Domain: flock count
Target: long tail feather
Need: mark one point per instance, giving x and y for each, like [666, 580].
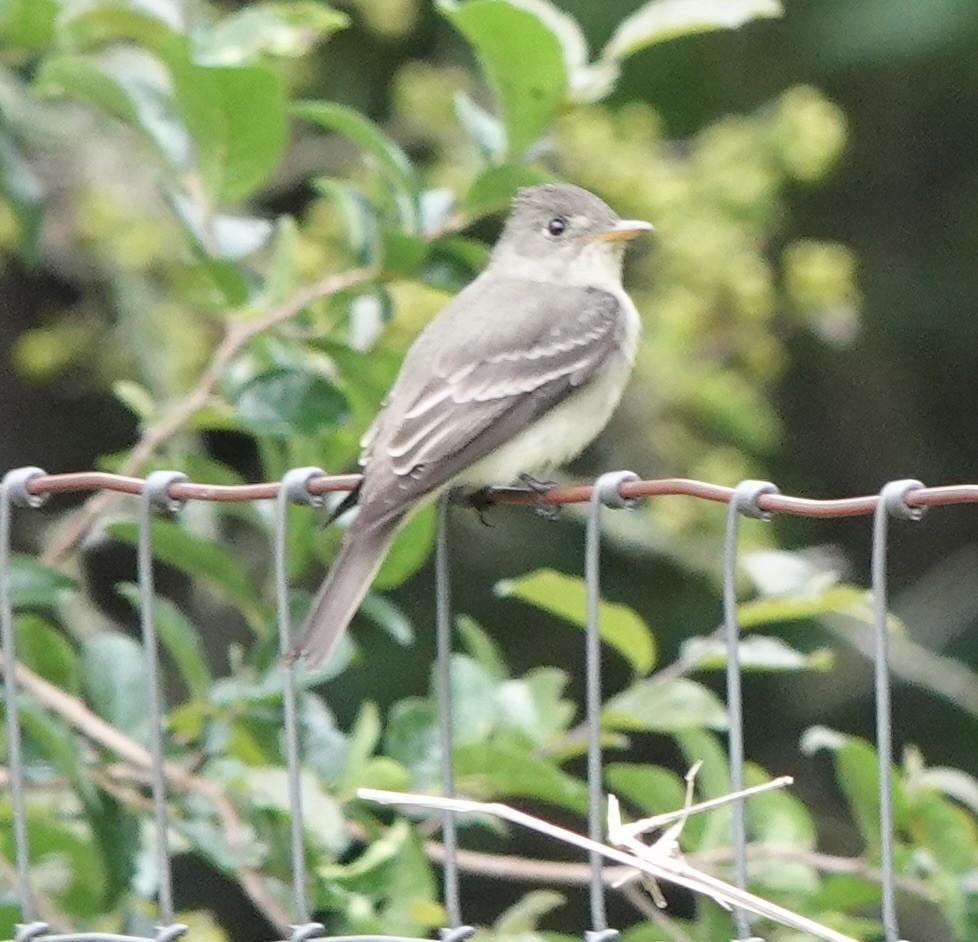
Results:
[343, 590]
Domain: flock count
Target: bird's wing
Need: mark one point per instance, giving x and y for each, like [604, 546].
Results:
[479, 395]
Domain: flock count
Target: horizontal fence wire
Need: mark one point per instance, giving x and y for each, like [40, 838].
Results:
[167, 491]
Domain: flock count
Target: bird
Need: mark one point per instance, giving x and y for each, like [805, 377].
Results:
[517, 374]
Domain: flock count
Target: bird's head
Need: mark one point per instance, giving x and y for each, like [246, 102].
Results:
[563, 234]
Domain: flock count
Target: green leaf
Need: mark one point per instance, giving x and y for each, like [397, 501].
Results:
[757, 653]
[358, 217]
[127, 83]
[484, 129]
[283, 402]
[410, 551]
[27, 24]
[523, 61]
[856, 771]
[411, 738]
[481, 647]
[114, 678]
[274, 29]
[46, 651]
[566, 597]
[535, 705]
[493, 190]
[60, 747]
[664, 706]
[473, 699]
[34, 585]
[180, 640]
[662, 20]
[220, 236]
[385, 614]
[322, 818]
[524, 915]
[237, 117]
[148, 23]
[204, 561]
[840, 599]
[393, 162]
[651, 788]
[73, 874]
[23, 191]
[508, 768]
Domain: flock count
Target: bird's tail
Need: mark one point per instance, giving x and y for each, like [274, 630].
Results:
[343, 590]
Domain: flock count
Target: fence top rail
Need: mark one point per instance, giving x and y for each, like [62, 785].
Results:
[44, 484]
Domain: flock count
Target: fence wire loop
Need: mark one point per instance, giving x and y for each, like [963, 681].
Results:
[747, 496]
[308, 930]
[27, 931]
[156, 496]
[608, 488]
[892, 503]
[456, 934]
[156, 491]
[745, 501]
[894, 499]
[17, 482]
[296, 485]
[605, 492]
[170, 933]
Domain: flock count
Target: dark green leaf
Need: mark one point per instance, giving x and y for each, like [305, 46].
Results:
[566, 597]
[203, 560]
[665, 706]
[114, 679]
[180, 640]
[481, 647]
[410, 551]
[394, 163]
[522, 919]
[523, 61]
[275, 29]
[284, 402]
[651, 788]
[34, 585]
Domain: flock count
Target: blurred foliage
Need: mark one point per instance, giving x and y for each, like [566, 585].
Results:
[152, 151]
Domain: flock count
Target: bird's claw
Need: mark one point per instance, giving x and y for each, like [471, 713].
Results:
[540, 490]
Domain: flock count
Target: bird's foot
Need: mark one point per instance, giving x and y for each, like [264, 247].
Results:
[540, 490]
[481, 502]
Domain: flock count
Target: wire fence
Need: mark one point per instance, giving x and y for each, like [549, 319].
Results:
[167, 491]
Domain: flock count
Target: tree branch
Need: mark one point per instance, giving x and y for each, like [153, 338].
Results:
[239, 330]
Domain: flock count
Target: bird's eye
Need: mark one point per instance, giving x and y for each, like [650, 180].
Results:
[557, 226]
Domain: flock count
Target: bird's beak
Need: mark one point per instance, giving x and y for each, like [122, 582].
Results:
[624, 229]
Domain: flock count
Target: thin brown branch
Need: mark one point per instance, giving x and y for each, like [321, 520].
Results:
[239, 331]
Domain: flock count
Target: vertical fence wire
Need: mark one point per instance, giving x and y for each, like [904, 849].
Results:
[155, 496]
[892, 502]
[294, 489]
[446, 738]
[744, 502]
[605, 492]
[15, 761]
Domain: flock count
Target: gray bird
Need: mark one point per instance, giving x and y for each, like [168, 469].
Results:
[517, 374]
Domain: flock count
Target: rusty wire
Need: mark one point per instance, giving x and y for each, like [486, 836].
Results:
[82, 481]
